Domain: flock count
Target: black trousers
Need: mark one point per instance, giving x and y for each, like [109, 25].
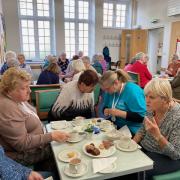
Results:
[162, 165]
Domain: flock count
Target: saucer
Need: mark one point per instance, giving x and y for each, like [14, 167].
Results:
[77, 124]
[78, 139]
[62, 156]
[133, 146]
[109, 169]
[83, 171]
[57, 125]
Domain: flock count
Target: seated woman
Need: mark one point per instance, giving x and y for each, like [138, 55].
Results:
[63, 62]
[175, 84]
[124, 101]
[21, 131]
[160, 134]
[77, 68]
[9, 55]
[173, 66]
[10, 169]
[22, 64]
[51, 74]
[76, 98]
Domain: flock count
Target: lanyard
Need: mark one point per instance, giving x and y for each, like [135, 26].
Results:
[114, 103]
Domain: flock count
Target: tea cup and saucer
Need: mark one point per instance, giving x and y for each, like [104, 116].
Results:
[76, 168]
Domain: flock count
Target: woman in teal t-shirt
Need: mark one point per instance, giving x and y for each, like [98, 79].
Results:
[124, 101]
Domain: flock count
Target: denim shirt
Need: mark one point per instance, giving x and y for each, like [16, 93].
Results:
[10, 169]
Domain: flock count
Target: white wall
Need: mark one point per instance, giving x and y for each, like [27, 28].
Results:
[105, 35]
[12, 25]
[156, 9]
[0, 6]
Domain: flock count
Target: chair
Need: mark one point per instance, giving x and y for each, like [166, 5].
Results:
[169, 176]
[134, 77]
[96, 94]
[44, 100]
[41, 87]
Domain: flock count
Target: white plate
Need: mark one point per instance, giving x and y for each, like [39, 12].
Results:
[133, 146]
[81, 137]
[103, 152]
[109, 169]
[83, 171]
[59, 125]
[62, 156]
[77, 124]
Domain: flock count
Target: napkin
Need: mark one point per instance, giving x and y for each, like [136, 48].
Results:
[125, 131]
[49, 178]
[102, 163]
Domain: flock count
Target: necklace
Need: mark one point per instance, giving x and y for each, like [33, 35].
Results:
[114, 103]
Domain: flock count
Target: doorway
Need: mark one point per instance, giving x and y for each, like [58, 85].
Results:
[155, 45]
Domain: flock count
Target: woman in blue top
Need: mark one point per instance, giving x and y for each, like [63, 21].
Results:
[50, 75]
[124, 101]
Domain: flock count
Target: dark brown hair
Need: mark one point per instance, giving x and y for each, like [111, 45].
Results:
[89, 78]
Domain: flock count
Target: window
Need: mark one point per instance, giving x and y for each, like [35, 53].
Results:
[36, 27]
[115, 14]
[76, 15]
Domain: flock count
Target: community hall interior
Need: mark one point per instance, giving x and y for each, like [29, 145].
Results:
[89, 83]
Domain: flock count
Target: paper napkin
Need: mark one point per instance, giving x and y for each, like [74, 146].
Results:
[102, 163]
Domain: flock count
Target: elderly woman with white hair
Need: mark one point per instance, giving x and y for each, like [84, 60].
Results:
[160, 134]
[9, 55]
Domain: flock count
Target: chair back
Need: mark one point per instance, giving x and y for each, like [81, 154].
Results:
[134, 77]
[44, 101]
[96, 94]
[41, 87]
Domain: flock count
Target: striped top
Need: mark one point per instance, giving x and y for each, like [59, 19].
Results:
[170, 128]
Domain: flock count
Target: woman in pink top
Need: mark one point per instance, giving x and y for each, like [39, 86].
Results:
[21, 132]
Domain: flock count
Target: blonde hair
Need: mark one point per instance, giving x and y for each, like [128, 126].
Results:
[53, 67]
[159, 87]
[110, 76]
[78, 65]
[11, 79]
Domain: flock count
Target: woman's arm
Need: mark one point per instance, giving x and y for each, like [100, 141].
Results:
[169, 147]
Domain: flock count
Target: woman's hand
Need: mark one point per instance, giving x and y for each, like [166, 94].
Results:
[106, 111]
[60, 136]
[35, 176]
[110, 112]
[152, 128]
[115, 112]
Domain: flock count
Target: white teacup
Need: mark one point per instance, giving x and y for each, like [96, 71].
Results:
[125, 142]
[74, 136]
[75, 166]
[79, 120]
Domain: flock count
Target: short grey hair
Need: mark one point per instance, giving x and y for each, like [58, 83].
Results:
[10, 54]
[159, 87]
[86, 59]
[12, 62]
